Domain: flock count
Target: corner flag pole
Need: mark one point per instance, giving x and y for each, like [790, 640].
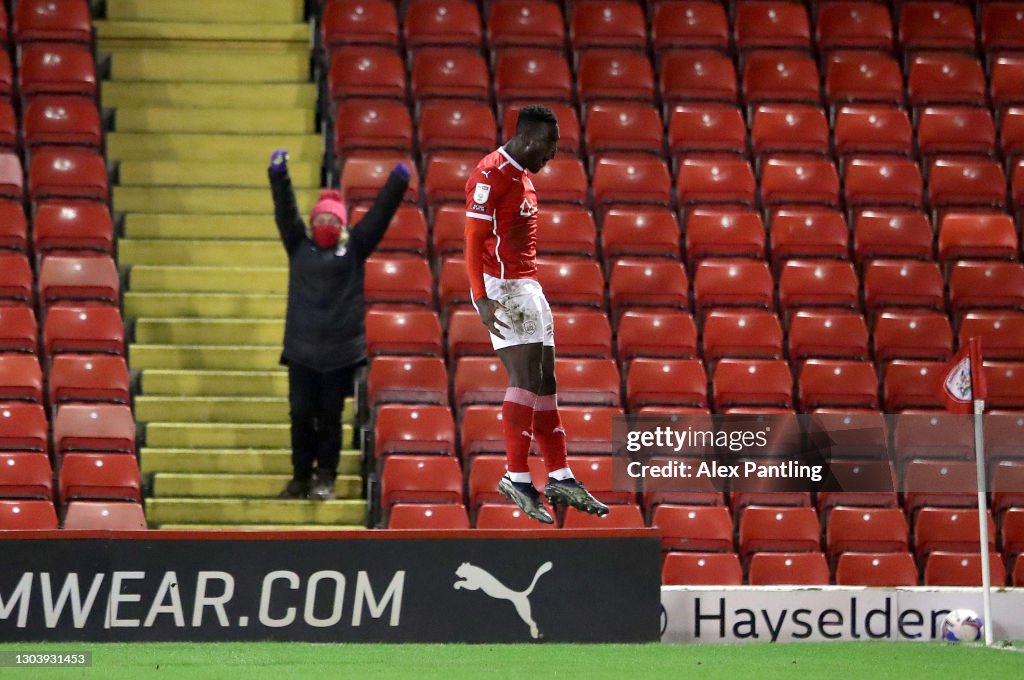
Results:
[986, 575]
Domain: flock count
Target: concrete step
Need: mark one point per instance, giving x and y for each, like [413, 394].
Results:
[222, 11]
[203, 200]
[209, 331]
[192, 34]
[178, 146]
[225, 435]
[230, 357]
[211, 409]
[162, 65]
[161, 511]
[182, 278]
[237, 461]
[192, 96]
[179, 174]
[178, 485]
[204, 305]
[161, 382]
[197, 227]
[223, 121]
[267, 253]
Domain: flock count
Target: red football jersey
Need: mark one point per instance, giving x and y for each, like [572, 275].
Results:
[500, 192]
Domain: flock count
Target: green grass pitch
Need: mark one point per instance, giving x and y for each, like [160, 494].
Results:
[284, 661]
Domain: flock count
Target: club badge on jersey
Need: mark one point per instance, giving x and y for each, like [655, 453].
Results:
[482, 193]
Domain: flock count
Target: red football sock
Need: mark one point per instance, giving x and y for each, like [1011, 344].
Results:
[547, 428]
[517, 419]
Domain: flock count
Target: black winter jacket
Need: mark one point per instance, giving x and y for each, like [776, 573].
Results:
[324, 326]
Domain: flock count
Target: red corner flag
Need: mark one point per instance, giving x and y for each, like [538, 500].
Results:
[964, 380]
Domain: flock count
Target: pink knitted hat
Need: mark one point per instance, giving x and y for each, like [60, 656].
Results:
[330, 201]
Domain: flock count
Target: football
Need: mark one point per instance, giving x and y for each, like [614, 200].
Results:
[961, 625]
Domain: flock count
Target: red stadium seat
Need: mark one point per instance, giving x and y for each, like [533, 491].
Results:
[462, 125]
[798, 569]
[1011, 134]
[587, 381]
[448, 232]
[96, 377]
[21, 379]
[99, 476]
[1005, 384]
[360, 22]
[912, 335]
[715, 180]
[863, 77]
[1001, 333]
[620, 181]
[407, 232]
[420, 479]
[67, 174]
[74, 279]
[62, 121]
[480, 431]
[939, 483]
[398, 278]
[882, 181]
[974, 235]
[466, 335]
[741, 334]
[902, 283]
[921, 434]
[105, 516]
[893, 233]
[15, 279]
[873, 128]
[808, 231]
[878, 570]
[766, 25]
[409, 380]
[639, 230]
[955, 129]
[827, 334]
[799, 180]
[689, 25]
[778, 529]
[11, 177]
[94, 427]
[611, 24]
[13, 226]
[605, 476]
[870, 483]
[1007, 83]
[1013, 532]
[866, 530]
[589, 429]
[479, 380]
[825, 383]
[433, 516]
[449, 23]
[526, 75]
[19, 331]
[853, 25]
[605, 75]
[83, 329]
[623, 127]
[524, 23]
[789, 128]
[912, 385]
[40, 20]
[618, 517]
[1002, 27]
[818, 283]
[505, 517]
[452, 281]
[732, 283]
[568, 123]
[404, 332]
[949, 529]
[448, 73]
[647, 282]
[34, 515]
[706, 528]
[779, 76]
[366, 72]
[56, 68]
[701, 569]
[583, 333]
[25, 475]
[24, 428]
[851, 435]
[446, 176]
[372, 124]
[675, 382]
[725, 231]
[936, 26]
[78, 225]
[655, 333]
[698, 75]
[752, 382]
[562, 180]
[945, 78]
[571, 282]
[985, 284]
[954, 182]
[695, 491]
[962, 569]
[6, 72]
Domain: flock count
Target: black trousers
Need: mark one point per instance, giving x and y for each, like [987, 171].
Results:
[316, 400]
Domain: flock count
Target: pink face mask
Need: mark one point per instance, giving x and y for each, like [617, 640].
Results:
[326, 235]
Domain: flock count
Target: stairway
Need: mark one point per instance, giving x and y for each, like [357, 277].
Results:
[202, 92]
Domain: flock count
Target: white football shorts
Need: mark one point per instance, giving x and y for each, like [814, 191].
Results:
[529, 315]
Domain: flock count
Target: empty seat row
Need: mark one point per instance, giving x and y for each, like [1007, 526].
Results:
[40, 515]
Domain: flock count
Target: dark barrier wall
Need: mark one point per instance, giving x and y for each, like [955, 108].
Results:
[477, 586]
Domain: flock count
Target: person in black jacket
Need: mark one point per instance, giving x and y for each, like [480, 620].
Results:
[324, 335]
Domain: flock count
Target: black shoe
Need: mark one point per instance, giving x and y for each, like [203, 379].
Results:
[526, 497]
[322, 488]
[571, 492]
[295, 489]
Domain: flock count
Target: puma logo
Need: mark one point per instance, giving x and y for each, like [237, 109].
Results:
[485, 173]
[475, 578]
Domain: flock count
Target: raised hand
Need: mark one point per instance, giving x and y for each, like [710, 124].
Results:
[279, 162]
[402, 171]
